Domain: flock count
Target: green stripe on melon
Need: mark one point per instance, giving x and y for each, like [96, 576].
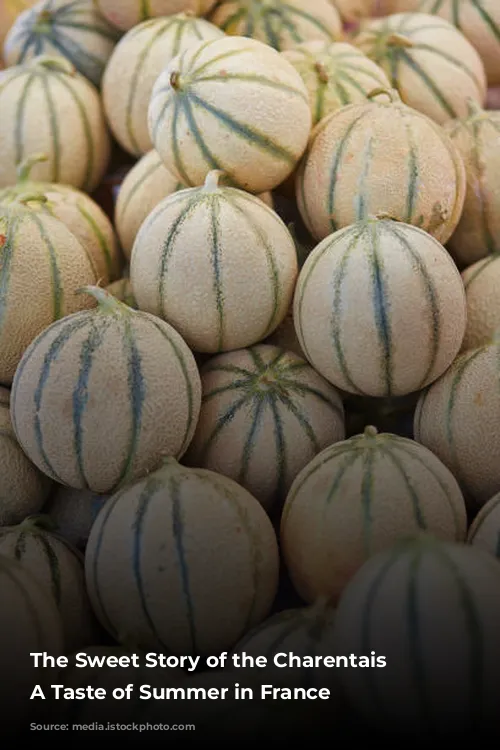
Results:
[484, 532]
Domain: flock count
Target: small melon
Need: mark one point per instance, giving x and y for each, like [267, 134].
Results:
[482, 290]
[73, 513]
[125, 14]
[484, 532]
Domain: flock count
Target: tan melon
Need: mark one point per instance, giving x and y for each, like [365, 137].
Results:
[239, 106]
[236, 283]
[125, 389]
[354, 10]
[9, 11]
[122, 290]
[410, 309]
[429, 61]
[482, 289]
[47, 107]
[484, 532]
[477, 138]
[125, 14]
[381, 157]
[73, 513]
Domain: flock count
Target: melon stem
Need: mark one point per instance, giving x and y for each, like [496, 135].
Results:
[392, 94]
[25, 167]
[175, 80]
[40, 521]
[473, 108]
[107, 303]
[322, 72]
[32, 198]
[58, 64]
[212, 180]
[398, 40]
[371, 431]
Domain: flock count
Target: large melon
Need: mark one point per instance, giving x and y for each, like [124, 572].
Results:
[347, 175]
[429, 61]
[125, 14]
[75, 30]
[356, 498]
[430, 610]
[236, 283]
[458, 419]
[482, 290]
[102, 396]
[409, 303]
[233, 104]
[134, 67]
[185, 561]
[484, 532]
[47, 107]
[265, 414]
[9, 11]
[73, 513]
[42, 266]
[477, 138]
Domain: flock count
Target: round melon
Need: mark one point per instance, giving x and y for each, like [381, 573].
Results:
[409, 302]
[47, 107]
[75, 30]
[380, 157]
[279, 23]
[42, 266]
[125, 14]
[23, 488]
[335, 74]
[9, 11]
[265, 414]
[429, 61]
[356, 498]
[59, 570]
[73, 513]
[477, 138]
[233, 104]
[482, 290]
[102, 396]
[431, 609]
[122, 290]
[236, 283]
[458, 419]
[484, 532]
[185, 561]
[137, 61]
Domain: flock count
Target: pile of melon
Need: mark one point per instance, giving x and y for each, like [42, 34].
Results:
[250, 355]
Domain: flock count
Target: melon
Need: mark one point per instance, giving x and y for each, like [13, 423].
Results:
[352, 11]
[477, 138]
[279, 23]
[137, 61]
[482, 290]
[125, 14]
[9, 11]
[265, 414]
[346, 174]
[23, 488]
[285, 336]
[47, 107]
[236, 283]
[122, 290]
[430, 609]
[84, 218]
[42, 265]
[184, 561]
[335, 74]
[458, 419]
[73, 513]
[232, 104]
[75, 30]
[409, 302]
[429, 61]
[484, 532]
[101, 397]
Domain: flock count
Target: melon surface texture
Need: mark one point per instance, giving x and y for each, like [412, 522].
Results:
[484, 532]
[73, 513]
[125, 14]
[482, 285]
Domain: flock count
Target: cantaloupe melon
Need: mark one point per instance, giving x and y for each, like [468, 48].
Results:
[47, 107]
[75, 30]
[458, 419]
[484, 532]
[137, 61]
[102, 396]
[235, 284]
[233, 104]
[380, 157]
[122, 290]
[431, 610]
[482, 290]
[185, 561]
[9, 11]
[125, 14]
[335, 74]
[73, 513]
[42, 265]
[285, 336]
[429, 61]
[356, 498]
[409, 303]
[265, 414]
[477, 138]
[279, 23]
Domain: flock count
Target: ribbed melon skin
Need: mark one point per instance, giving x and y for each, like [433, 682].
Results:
[235, 285]
[409, 302]
[484, 532]
[137, 61]
[279, 23]
[48, 109]
[184, 561]
[437, 73]
[356, 498]
[265, 414]
[482, 282]
[125, 14]
[226, 111]
[125, 389]
[431, 609]
[380, 158]
[75, 30]
[73, 513]
[458, 418]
